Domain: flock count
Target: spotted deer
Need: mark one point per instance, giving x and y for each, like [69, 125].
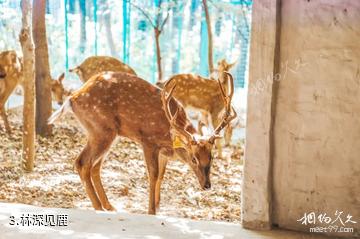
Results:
[11, 75]
[194, 91]
[97, 64]
[114, 104]
[89, 67]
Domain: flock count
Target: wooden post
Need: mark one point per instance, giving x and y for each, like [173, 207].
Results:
[27, 46]
[264, 62]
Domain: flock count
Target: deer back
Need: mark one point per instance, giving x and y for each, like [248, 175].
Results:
[126, 104]
[196, 91]
[97, 64]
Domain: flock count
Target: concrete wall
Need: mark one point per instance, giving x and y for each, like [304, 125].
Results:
[314, 157]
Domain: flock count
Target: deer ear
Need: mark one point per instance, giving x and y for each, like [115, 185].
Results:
[61, 77]
[231, 65]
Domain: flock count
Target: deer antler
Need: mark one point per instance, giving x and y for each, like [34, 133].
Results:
[172, 118]
[230, 113]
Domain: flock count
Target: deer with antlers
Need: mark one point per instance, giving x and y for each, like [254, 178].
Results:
[115, 104]
[11, 75]
[194, 91]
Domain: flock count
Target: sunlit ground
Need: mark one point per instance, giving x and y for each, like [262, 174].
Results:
[54, 182]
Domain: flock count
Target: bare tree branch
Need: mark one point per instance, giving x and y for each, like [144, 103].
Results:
[164, 22]
[144, 13]
[238, 28]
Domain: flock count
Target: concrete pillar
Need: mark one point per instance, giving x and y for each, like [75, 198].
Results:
[264, 54]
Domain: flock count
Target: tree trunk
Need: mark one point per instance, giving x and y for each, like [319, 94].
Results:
[109, 36]
[208, 24]
[82, 4]
[158, 54]
[27, 46]
[42, 69]
[157, 31]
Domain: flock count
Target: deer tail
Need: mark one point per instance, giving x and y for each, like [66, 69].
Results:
[60, 112]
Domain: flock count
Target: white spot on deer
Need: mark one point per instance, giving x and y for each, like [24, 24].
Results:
[129, 85]
[107, 76]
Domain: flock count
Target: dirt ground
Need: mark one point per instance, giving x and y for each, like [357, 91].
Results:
[55, 183]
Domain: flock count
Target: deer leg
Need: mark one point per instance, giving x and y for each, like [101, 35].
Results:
[162, 168]
[5, 119]
[215, 122]
[83, 166]
[96, 179]
[94, 149]
[151, 159]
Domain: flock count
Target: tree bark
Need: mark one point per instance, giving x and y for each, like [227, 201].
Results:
[27, 46]
[158, 53]
[42, 69]
[210, 45]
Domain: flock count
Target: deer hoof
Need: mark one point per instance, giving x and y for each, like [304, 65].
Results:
[110, 208]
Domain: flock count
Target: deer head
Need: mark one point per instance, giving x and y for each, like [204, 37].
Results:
[223, 67]
[57, 89]
[192, 148]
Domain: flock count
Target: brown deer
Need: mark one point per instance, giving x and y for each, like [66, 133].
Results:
[194, 91]
[97, 64]
[115, 104]
[12, 76]
[89, 67]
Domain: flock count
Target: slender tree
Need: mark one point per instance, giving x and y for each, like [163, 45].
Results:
[210, 45]
[29, 87]
[158, 26]
[42, 69]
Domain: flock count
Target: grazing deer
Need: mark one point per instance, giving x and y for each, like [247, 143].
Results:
[194, 91]
[115, 104]
[90, 66]
[11, 75]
